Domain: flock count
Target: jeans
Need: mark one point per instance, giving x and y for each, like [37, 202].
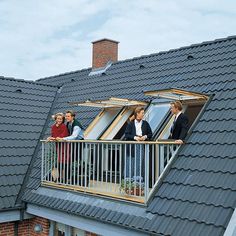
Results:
[134, 166]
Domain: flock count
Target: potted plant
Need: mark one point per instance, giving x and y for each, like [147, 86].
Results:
[132, 187]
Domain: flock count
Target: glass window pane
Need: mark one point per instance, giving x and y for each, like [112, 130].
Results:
[119, 122]
[104, 121]
[156, 113]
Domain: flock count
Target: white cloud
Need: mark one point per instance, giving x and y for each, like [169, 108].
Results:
[48, 37]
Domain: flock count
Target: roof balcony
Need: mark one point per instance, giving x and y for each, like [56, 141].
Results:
[124, 170]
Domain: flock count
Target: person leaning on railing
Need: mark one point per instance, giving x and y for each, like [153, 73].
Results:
[59, 130]
[136, 130]
[74, 127]
[180, 125]
[76, 132]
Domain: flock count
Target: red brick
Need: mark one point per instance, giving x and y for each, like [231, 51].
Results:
[103, 51]
[25, 228]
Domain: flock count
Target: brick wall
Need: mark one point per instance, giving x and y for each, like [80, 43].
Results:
[104, 50]
[25, 228]
[43, 222]
[7, 229]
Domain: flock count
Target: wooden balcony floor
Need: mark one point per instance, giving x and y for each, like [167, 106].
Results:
[98, 188]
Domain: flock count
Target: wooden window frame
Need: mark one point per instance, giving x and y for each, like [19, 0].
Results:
[177, 94]
[110, 103]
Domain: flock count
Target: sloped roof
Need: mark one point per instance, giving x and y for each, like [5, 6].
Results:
[24, 108]
[198, 195]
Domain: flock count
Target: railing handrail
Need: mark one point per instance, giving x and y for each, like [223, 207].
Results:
[164, 141]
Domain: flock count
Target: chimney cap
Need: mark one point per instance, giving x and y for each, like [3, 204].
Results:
[105, 39]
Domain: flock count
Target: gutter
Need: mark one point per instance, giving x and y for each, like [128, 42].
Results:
[63, 216]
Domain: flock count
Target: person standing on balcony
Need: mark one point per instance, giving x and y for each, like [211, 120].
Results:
[180, 125]
[136, 130]
[59, 130]
[76, 132]
[74, 127]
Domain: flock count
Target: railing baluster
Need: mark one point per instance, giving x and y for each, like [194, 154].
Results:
[46, 162]
[86, 165]
[115, 163]
[66, 163]
[140, 168]
[168, 154]
[89, 164]
[54, 160]
[153, 165]
[63, 162]
[72, 165]
[161, 157]
[79, 154]
[157, 161]
[82, 163]
[172, 149]
[125, 166]
[146, 179]
[106, 150]
[42, 164]
[120, 164]
[102, 162]
[50, 163]
[98, 162]
[130, 157]
[94, 156]
[111, 157]
[135, 167]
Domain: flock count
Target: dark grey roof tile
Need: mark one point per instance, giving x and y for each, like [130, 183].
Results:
[20, 132]
[214, 164]
[209, 150]
[216, 137]
[197, 182]
[201, 213]
[204, 195]
[202, 178]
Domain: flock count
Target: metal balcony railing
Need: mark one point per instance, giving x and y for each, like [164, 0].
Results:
[119, 169]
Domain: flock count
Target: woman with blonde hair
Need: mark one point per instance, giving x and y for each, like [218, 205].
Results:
[59, 130]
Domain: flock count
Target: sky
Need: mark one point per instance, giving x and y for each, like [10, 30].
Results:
[41, 38]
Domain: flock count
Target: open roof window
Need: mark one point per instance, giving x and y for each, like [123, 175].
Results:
[110, 103]
[193, 103]
[177, 94]
[115, 112]
[118, 126]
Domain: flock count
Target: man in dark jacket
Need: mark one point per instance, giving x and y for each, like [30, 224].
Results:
[136, 130]
[180, 125]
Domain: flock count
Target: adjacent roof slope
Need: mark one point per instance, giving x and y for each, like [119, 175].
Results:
[198, 195]
[24, 108]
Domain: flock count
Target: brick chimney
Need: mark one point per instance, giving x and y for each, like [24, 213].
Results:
[104, 50]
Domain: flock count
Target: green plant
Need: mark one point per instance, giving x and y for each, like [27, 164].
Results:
[132, 187]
